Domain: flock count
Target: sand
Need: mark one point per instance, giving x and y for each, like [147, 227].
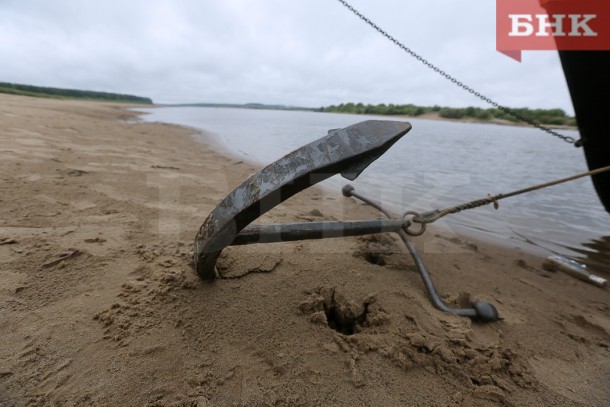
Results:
[100, 305]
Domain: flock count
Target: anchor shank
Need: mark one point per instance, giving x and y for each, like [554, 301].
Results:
[272, 233]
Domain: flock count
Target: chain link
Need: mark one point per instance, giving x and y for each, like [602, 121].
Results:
[470, 90]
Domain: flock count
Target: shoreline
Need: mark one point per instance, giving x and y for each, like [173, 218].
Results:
[127, 321]
[200, 136]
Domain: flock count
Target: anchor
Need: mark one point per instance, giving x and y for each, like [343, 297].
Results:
[348, 151]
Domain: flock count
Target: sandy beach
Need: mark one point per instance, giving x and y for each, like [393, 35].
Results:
[100, 305]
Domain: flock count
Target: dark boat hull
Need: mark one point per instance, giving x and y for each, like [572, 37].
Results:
[588, 77]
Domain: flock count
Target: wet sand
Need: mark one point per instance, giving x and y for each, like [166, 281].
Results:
[124, 320]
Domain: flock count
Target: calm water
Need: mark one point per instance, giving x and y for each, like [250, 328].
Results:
[440, 164]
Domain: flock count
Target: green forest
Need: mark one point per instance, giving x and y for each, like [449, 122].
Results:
[39, 91]
[555, 117]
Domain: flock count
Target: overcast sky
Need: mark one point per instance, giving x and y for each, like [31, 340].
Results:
[296, 52]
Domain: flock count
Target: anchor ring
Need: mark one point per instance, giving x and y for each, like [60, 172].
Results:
[409, 218]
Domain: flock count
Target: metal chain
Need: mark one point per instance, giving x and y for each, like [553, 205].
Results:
[444, 74]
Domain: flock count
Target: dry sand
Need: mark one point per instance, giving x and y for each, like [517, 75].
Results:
[127, 322]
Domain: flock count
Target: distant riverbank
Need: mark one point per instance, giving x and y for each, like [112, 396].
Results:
[556, 118]
[501, 122]
[60, 93]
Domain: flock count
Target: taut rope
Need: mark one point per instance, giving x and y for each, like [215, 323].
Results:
[436, 215]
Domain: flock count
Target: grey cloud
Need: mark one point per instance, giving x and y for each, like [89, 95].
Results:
[299, 52]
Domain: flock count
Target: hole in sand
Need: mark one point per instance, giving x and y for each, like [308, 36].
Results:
[346, 324]
[343, 315]
[374, 258]
[329, 307]
[380, 250]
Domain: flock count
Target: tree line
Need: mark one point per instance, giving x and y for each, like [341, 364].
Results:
[40, 91]
[542, 116]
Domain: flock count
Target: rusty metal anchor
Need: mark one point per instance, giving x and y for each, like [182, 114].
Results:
[348, 152]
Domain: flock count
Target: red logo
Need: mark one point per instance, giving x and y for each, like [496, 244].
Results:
[551, 24]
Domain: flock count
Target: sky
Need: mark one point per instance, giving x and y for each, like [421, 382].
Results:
[295, 52]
